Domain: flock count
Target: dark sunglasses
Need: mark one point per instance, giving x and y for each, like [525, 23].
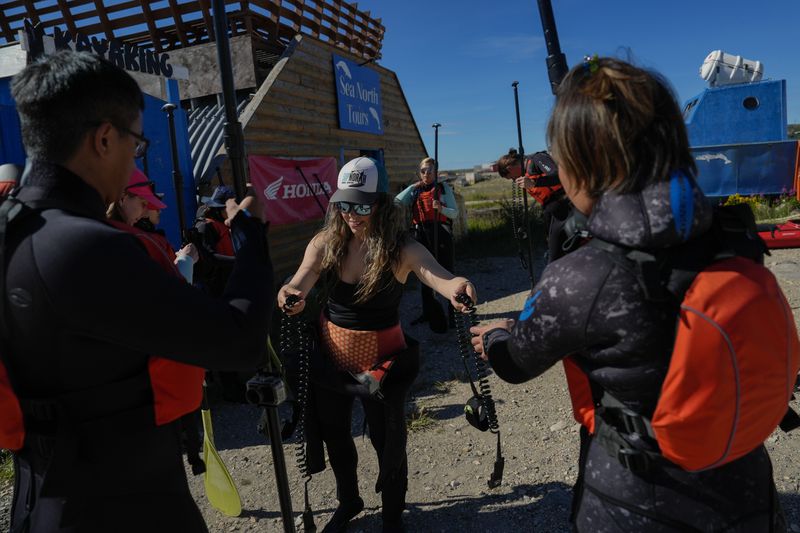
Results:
[358, 209]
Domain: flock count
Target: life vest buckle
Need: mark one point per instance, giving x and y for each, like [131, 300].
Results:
[634, 460]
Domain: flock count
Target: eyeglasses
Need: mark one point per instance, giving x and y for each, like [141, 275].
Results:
[425, 170]
[142, 142]
[359, 209]
[149, 184]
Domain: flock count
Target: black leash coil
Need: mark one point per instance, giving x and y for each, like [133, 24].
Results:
[517, 215]
[293, 327]
[480, 409]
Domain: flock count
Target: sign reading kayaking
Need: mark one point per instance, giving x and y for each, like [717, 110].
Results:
[358, 91]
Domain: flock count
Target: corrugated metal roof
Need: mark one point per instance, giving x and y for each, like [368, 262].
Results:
[206, 137]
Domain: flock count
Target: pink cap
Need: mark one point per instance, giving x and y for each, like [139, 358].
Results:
[140, 186]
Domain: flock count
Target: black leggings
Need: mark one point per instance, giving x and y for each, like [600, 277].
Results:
[387, 432]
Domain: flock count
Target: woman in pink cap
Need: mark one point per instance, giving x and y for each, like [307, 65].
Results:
[137, 199]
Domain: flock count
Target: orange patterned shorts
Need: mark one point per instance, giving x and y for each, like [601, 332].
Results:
[357, 351]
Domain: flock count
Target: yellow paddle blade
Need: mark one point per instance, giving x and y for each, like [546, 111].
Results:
[220, 490]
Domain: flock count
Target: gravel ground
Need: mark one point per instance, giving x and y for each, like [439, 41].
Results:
[450, 461]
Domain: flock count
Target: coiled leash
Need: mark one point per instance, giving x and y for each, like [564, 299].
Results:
[293, 326]
[517, 221]
[480, 409]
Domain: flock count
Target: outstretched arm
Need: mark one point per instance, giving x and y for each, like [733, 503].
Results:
[306, 276]
[417, 259]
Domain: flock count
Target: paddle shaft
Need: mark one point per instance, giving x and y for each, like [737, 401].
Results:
[435, 190]
[177, 178]
[278, 459]
[525, 220]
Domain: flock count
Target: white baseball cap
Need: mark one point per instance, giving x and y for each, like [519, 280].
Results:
[361, 180]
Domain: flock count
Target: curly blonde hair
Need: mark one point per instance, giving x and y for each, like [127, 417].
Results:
[384, 243]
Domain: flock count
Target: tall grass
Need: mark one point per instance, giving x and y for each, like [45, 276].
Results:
[490, 231]
[6, 467]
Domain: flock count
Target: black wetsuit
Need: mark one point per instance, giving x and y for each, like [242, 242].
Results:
[385, 418]
[590, 305]
[86, 307]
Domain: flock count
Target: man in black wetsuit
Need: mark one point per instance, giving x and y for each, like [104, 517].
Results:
[95, 389]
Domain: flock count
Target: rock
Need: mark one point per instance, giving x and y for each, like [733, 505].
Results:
[558, 426]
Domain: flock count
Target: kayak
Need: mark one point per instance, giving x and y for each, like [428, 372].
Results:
[784, 235]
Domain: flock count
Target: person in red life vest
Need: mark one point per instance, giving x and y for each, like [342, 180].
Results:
[137, 201]
[364, 257]
[9, 177]
[624, 161]
[433, 208]
[213, 240]
[563, 224]
[90, 408]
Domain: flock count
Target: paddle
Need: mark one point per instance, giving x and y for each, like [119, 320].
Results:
[220, 489]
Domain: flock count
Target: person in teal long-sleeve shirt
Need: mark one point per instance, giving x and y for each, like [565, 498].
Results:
[433, 208]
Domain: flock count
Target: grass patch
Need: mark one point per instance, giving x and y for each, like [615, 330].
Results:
[490, 232]
[442, 387]
[6, 467]
[493, 189]
[420, 419]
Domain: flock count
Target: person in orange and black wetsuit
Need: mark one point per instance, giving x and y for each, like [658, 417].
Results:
[433, 208]
[562, 222]
[87, 394]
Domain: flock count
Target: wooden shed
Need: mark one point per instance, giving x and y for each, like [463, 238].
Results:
[294, 114]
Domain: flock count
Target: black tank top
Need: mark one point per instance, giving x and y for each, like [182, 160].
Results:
[378, 312]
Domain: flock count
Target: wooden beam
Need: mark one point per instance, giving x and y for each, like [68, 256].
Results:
[101, 12]
[68, 18]
[207, 19]
[151, 24]
[176, 16]
[9, 35]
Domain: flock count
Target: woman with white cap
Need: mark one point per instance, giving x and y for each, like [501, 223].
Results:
[364, 257]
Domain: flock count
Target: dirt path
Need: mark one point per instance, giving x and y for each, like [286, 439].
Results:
[450, 461]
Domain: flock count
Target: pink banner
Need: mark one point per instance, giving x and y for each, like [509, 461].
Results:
[286, 196]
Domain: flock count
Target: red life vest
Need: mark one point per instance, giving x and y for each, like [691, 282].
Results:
[224, 244]
[422, 209]
[545, 185]
[731, 375]
[6, 187]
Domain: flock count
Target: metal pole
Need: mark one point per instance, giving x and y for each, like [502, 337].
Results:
[300, 170]
[316, 177]
[234, 138]
[436, 127]
[177, 178]
[525, 220]
[556, 60]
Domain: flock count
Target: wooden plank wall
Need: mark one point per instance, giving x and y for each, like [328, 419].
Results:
[295, 114]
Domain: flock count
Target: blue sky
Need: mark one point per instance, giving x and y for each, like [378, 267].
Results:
[456, 59]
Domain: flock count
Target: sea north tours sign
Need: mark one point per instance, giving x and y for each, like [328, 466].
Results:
[358, 91]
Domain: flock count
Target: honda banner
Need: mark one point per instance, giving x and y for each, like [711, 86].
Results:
[293, 190]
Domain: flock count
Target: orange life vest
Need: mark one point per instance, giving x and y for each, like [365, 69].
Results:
[545, 185]
[731, 375]
[422, 209]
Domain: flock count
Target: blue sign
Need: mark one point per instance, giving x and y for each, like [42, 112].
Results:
[358, 91]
